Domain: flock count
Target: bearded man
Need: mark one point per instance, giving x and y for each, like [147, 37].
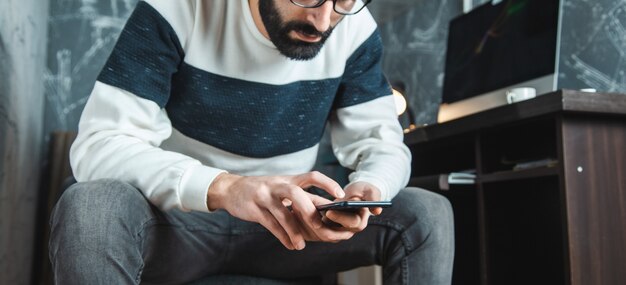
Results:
[195, 152]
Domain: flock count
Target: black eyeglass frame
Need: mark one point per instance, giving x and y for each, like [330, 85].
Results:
[321, 2]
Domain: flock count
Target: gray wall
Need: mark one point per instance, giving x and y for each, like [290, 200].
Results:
[415, 48]
[81, 36]
[23, 28]
[593, 45]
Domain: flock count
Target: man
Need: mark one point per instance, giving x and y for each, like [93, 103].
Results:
[196, 145]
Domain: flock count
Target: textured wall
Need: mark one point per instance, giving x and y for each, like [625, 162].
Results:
[415, 48]
[593, 45]
[81, 36]
[23, 27]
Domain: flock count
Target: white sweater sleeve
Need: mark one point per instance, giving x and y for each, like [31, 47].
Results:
[369, 139]
[119, 136]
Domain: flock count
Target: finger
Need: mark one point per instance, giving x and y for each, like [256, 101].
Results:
[268, 221]
[333, 232]
[376, 211]
[318, 200]
[325, 232]
[286, 203]
[309, 233]
[289, 224]
[302, 205]
[350, 220]
[319, 180]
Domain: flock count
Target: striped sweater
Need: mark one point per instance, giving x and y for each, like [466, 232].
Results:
[192, 89]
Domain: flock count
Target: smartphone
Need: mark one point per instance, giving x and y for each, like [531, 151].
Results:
[353, 206]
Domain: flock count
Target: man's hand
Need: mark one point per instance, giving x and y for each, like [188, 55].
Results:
[356, 222]
[263, 199]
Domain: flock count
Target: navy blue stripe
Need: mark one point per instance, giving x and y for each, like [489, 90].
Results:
[363, 79]
[242, 117]
[248, 118]
[145, 56]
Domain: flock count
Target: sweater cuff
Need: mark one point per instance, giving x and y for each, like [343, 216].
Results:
[195, 185]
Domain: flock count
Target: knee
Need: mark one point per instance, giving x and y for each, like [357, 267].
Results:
[427, 213]
[95, 204]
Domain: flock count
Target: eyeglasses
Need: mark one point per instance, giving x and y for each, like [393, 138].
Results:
[343, 7]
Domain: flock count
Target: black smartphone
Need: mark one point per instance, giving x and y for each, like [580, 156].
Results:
[353, 206]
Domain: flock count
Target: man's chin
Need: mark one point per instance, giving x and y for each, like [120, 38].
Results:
[301, 53]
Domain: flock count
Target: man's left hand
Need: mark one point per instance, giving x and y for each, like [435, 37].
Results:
[356, 222]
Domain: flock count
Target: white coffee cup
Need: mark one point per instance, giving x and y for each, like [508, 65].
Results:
[520, 94]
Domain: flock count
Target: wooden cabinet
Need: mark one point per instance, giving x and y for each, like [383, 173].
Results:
[549, 202]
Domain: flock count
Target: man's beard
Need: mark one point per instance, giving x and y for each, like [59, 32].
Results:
[278, 31]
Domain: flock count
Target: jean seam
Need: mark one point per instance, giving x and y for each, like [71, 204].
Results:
[139, 239]
[406, 243]
[139, 272]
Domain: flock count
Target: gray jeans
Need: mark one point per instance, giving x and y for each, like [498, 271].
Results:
[106, 232]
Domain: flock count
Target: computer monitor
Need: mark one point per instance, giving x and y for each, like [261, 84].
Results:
[496, 47]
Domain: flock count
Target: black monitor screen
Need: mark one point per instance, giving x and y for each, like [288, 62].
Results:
[495, 46]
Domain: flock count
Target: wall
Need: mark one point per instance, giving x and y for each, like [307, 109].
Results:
[23, 30]
[593, 45]
[415, 48]
[82, 35]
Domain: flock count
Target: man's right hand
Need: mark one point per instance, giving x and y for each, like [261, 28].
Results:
[263, 199]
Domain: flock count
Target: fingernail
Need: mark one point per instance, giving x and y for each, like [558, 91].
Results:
[301, 245]
[340, 193]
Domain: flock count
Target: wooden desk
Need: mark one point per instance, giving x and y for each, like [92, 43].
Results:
[560, 223]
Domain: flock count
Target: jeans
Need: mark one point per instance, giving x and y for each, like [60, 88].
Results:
[106, 232]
